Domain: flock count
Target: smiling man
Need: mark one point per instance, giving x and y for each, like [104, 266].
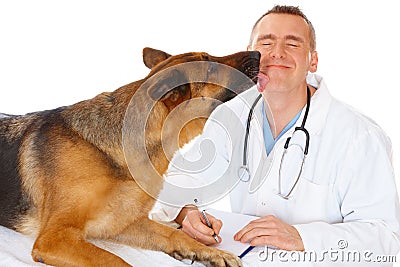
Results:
[322, 170]
[287, 46]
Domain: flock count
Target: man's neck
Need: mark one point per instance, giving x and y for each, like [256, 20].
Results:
[283, 106]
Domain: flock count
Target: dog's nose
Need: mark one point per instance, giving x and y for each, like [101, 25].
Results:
[255, 54]
[251, 59]
[250, 64]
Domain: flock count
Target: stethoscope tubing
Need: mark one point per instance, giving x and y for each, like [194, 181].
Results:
[244, 167]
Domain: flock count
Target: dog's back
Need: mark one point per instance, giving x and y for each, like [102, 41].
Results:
[14, 201]
[2, 116]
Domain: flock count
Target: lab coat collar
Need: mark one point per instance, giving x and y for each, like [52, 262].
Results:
[319, 106]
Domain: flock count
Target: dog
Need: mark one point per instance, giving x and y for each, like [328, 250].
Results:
[64, 176]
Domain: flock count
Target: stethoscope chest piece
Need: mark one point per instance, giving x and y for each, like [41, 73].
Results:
[244, 173]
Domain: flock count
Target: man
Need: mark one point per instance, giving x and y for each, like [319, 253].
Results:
[346, 188]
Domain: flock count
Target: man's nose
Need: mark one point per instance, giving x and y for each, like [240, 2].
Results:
[278, 51]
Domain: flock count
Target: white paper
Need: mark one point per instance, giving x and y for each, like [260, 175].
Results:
[232, 223]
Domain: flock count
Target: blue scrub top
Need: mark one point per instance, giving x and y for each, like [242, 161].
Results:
[269, 140]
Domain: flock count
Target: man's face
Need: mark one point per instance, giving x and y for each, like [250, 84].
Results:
[284, 43]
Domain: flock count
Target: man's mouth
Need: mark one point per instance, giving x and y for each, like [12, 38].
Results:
[278, 66]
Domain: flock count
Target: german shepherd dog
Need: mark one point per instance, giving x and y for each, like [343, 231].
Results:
[64, 177]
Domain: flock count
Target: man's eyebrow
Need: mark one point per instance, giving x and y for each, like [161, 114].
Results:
[294, 38]
[266, 36]
[287, 37]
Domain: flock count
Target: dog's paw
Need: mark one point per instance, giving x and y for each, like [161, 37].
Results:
[219, 258]
[183, 247]
[209, 256]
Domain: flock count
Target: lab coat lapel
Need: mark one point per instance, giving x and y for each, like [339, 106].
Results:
[319, 107]
[259, 165]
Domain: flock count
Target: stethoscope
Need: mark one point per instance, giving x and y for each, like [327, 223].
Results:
[244, 173]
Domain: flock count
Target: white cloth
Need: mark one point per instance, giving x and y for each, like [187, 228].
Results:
[15, 251]
[346, 193]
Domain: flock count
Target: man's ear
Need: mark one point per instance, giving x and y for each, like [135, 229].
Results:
[313, 62]
[152, 57]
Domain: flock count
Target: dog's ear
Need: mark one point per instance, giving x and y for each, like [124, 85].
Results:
[152, 57]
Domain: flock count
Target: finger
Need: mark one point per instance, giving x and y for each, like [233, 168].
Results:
[199, 236]
[202, 238]
[194, 218]
[249, 227]
[264, 222]
[276, 242]
[267, 240]
[267, 218]
[207, 239]
[215, 223]
[240, 234]
[203, 233]
[258, 232]
[209, 235]
[195, 226]
[201, 227]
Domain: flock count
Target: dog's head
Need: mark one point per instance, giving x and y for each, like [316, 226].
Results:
[193, 75]
[188, 87]
[171, 105]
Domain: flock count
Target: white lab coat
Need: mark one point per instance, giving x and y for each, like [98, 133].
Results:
[347, 188]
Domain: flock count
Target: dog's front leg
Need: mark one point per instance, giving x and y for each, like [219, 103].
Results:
[151, 235]
[66, 246]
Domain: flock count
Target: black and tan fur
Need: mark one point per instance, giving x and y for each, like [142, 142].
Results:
[63, 175]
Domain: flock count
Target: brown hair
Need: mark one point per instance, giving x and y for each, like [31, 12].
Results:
[291, 10]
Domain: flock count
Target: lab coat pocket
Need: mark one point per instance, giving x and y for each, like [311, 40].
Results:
[314, 202]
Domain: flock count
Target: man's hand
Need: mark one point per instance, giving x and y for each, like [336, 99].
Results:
[270, 230]
[194, 225]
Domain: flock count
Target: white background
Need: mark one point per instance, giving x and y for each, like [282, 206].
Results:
[55, 53]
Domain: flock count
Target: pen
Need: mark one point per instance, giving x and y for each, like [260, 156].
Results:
[244, 253]
[203, 214]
